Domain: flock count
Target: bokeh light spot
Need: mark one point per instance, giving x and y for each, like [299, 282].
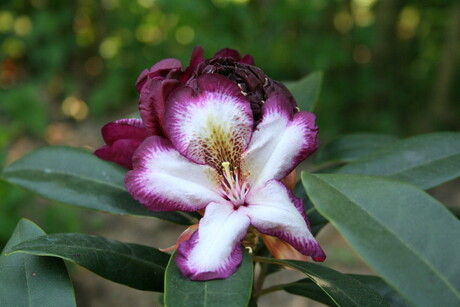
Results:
[6, 21]
[240, 1]
[22, 25]
[75, 108]
[149, 34]
[409, 20]
[146, 3]
[364, 3]
[109, 47]
[343, 22]
[185, 35]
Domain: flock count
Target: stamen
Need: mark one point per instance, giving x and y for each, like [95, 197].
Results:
[227, 175]
[232, 188]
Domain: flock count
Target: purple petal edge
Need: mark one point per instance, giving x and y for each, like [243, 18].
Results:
[231, 266]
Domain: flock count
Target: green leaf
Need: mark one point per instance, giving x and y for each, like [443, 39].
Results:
[137, 266]
[306, 90]
[77, 177]
[351, 147]
[426, 160]
[408, 237]
[317, 221]
[28, 280]
[234, 291]
[306, 287]
[381, 287]
[341, 289]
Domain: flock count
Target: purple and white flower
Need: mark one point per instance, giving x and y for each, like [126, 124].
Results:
[214, 155]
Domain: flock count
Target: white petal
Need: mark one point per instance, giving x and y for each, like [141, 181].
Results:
[164, 180]
[214, 251]
[279, 144]
[273, 210]
[212, 126]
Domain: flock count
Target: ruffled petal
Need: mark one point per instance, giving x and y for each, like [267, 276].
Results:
[164, 180]
[274, 211]
[120, 152]
[247, 59]
[214, 251]
[128, 128]
[281, 141]
[196, 59]
[212, 125]
[162, 68]
[122, 138]
[228, 53]
[152, 101]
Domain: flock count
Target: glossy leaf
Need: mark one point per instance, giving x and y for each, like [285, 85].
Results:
[133, 265]
[234, 291]
[341, 289]
[351, 147]
[306, 91]
[408, 237]
[32, 281]
[426, 160]
[77, 177]
[306, 287]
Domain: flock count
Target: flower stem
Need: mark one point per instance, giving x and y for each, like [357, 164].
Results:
[261, 278]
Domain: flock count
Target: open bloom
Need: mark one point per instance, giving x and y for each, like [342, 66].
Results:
[156, 84]
[216, 154]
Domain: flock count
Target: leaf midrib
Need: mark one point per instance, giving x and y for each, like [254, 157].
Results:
[24, 250]
[312, 277]
[409, 247]
[34, 170]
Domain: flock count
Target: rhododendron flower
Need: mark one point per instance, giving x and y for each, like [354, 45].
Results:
[157, 83]
[216, 159]
[218, 137]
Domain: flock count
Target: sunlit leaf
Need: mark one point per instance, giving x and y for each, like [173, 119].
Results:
[28, 280]
[408, 237]
[133, 265]
[234, 291]
[77, 177]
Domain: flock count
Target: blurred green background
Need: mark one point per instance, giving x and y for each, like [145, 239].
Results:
[67, 67]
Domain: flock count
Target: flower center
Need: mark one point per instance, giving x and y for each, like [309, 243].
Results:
[234, 186]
